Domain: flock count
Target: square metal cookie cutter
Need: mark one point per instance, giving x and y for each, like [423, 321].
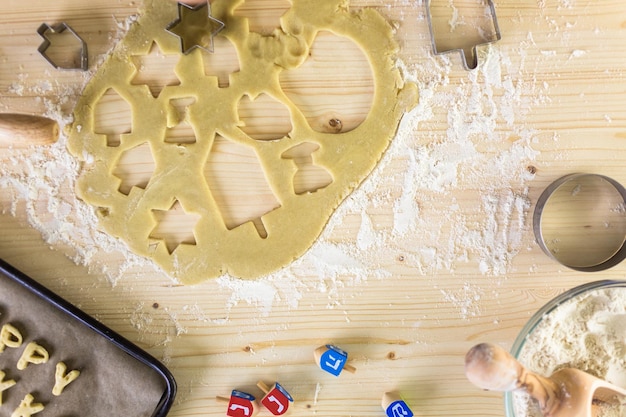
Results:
[194, 28]
[43, 31]
[467, 65]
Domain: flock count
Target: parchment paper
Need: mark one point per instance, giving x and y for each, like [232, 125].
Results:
[112, 383]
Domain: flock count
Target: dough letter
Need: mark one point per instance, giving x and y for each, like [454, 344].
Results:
[33, 353]
[27, 408]
[10, 336]
[4, 385]
[62, 379]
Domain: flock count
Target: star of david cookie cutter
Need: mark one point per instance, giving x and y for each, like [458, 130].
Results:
[44, 30]
[497, 35]
[195, 28]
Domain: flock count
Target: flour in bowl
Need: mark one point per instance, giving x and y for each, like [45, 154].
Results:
[587, 332]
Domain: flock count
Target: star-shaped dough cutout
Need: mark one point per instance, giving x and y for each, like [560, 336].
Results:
[155, 69]
[174, 227]
[195, 27]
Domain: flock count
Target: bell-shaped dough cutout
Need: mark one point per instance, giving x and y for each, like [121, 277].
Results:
[134, 168]
[264, 118]
[263, 16]
[238, 185]
[334, 87]
[112, 117]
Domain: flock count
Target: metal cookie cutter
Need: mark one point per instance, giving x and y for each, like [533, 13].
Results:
[195, 28]
[580, 221]
[79, 63]
[474, 59]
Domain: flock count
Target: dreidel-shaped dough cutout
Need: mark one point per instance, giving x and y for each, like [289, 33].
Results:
[27, 408]
[240, 404]
[33, 353]
[63, 379]
[4, 385]
[309, 177]
[332, 359]
[395, 406]
[276, 398]
[10, 336]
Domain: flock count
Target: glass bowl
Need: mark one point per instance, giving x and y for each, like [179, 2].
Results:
[536, 319]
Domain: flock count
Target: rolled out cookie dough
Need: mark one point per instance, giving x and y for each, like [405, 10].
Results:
[296, 222]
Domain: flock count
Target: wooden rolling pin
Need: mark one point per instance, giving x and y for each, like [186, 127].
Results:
[568, 392]
[22, 130]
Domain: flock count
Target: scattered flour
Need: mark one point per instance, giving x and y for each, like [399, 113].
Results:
[484, 152]
[587, 332]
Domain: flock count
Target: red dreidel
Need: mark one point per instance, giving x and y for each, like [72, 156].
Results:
[332, 360]
[276, 399]
[240, 404]
[395, 406]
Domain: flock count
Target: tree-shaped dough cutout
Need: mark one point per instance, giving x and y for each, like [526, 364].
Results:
[263, 16]
[223, 62]
[113, 117]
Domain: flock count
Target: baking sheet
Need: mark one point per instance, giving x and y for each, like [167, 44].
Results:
[117, 379]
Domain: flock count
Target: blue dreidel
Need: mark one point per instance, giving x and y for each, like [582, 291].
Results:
[332, 360]
[395, 406]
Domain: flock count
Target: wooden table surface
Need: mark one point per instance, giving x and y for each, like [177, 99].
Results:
[433, 254]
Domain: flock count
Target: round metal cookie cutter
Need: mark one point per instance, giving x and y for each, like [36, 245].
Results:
[580, 221]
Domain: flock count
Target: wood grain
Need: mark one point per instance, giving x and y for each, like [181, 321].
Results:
[407, 312]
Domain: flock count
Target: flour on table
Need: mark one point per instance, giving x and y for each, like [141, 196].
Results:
[421, 167]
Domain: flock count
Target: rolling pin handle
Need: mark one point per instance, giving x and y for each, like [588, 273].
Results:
[23, 130]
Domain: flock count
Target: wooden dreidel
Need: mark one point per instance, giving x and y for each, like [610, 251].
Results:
[276, 399]
[240, 404]
[332, 360]
[395, 406]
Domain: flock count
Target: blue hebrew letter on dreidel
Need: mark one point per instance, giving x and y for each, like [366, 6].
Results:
[333, 360]
[398, 409]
